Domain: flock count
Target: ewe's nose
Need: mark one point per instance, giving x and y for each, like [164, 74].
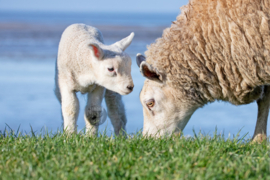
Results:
[130, 87]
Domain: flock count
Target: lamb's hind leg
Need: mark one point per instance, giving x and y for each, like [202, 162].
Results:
[70, 109]
[263, 110]
[94, 114]
[116, 111]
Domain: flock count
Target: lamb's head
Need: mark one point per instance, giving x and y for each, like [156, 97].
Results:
[165, 110]
[112, 66]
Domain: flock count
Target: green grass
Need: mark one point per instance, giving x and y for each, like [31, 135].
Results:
[80, 157]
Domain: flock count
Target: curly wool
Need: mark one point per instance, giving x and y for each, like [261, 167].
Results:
[216, 49]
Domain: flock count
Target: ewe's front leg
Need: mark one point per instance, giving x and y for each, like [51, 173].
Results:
[263, 110]
[94, 114]
[70, 110]
[116, 111]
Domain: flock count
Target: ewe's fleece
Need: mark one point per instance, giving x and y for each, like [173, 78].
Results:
[216, 49]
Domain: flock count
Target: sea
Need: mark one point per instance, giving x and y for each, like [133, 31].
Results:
[28, 50]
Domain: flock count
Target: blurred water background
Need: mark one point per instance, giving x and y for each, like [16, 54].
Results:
[28, 50]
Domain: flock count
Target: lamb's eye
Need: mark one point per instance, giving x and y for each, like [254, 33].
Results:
[150, 103]
[111, 69]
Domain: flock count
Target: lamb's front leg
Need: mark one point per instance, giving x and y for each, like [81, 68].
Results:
[116, 111]
[70, 109]
[263, 111]
[94, 114]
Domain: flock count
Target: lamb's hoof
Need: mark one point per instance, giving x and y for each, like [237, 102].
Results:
[259, 138]
[69, 131]
[96, 116]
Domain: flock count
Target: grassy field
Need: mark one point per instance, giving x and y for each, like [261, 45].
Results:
[60, 156]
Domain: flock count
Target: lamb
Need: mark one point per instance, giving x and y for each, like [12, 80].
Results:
[215, 50]
[86, 64]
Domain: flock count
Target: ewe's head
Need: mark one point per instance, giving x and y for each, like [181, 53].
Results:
[112, 66]
[165, 109]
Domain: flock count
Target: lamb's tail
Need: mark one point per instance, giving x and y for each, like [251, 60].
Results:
[56, 88]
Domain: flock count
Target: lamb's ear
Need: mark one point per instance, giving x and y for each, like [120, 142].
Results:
[124, 43]
[97, 51]
[150, 73]
[139, 59]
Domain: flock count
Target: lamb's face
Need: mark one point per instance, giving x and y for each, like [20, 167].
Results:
[116, 74]
[164, 113]
[112, 66]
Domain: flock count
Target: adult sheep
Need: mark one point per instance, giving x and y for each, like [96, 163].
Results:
[215, 50]
[87, 65]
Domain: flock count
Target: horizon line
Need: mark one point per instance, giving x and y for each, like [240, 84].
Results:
[83, 11]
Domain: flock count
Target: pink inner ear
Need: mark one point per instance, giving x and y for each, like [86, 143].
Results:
[149, 74]
[96, 51]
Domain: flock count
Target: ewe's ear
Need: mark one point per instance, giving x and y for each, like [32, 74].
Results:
[97, 51]
[124, 43]
[149, 72]
[139, 59]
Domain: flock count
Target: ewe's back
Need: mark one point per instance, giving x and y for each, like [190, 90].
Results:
[220, 48]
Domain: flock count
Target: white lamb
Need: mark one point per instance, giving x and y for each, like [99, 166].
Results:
[87, 65]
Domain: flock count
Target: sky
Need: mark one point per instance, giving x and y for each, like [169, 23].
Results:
[140, 6]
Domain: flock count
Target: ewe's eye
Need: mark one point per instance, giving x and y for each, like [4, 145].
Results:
[111, 69]
[150, 103]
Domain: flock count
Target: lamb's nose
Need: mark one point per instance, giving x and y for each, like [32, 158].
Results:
[130, 88]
